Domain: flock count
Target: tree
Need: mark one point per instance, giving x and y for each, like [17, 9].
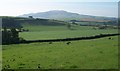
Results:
[11, 36]
[30, 16]
[69, 26]
[9, 32]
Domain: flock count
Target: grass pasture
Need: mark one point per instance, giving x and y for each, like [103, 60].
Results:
[83, 54]
[55, 32]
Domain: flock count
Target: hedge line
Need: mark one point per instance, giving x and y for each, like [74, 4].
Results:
[71, 39]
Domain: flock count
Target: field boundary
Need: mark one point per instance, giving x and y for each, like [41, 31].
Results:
[71, 39]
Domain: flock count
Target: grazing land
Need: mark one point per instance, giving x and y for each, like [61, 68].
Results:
[84, 54]
[58, 32]
[99, 53]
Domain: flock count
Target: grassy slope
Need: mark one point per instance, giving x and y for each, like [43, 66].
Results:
[99, 53]
[82, 54]
[85, 54]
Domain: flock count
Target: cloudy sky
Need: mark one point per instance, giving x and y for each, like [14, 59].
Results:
[107, 8]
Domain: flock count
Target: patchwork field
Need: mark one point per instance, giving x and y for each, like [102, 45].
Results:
[83, 54]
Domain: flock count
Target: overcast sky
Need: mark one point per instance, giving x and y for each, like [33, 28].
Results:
[107, 8]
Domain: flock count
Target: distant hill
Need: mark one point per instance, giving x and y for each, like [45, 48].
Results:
[64, 15]
[19, 22]
[10, 22]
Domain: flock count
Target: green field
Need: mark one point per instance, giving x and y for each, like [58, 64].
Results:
[83, 54]
[54, 32]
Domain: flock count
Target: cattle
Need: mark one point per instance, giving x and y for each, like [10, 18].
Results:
[109, 38]
[39, 66]
[68, 43]
[50, 42]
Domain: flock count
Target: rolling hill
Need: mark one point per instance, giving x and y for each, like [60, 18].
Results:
[18, 22]
[64, 15]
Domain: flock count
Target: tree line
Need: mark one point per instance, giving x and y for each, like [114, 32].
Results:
[10, 34]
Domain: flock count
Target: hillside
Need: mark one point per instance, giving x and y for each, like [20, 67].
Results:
[64, 15]
[18, 22]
